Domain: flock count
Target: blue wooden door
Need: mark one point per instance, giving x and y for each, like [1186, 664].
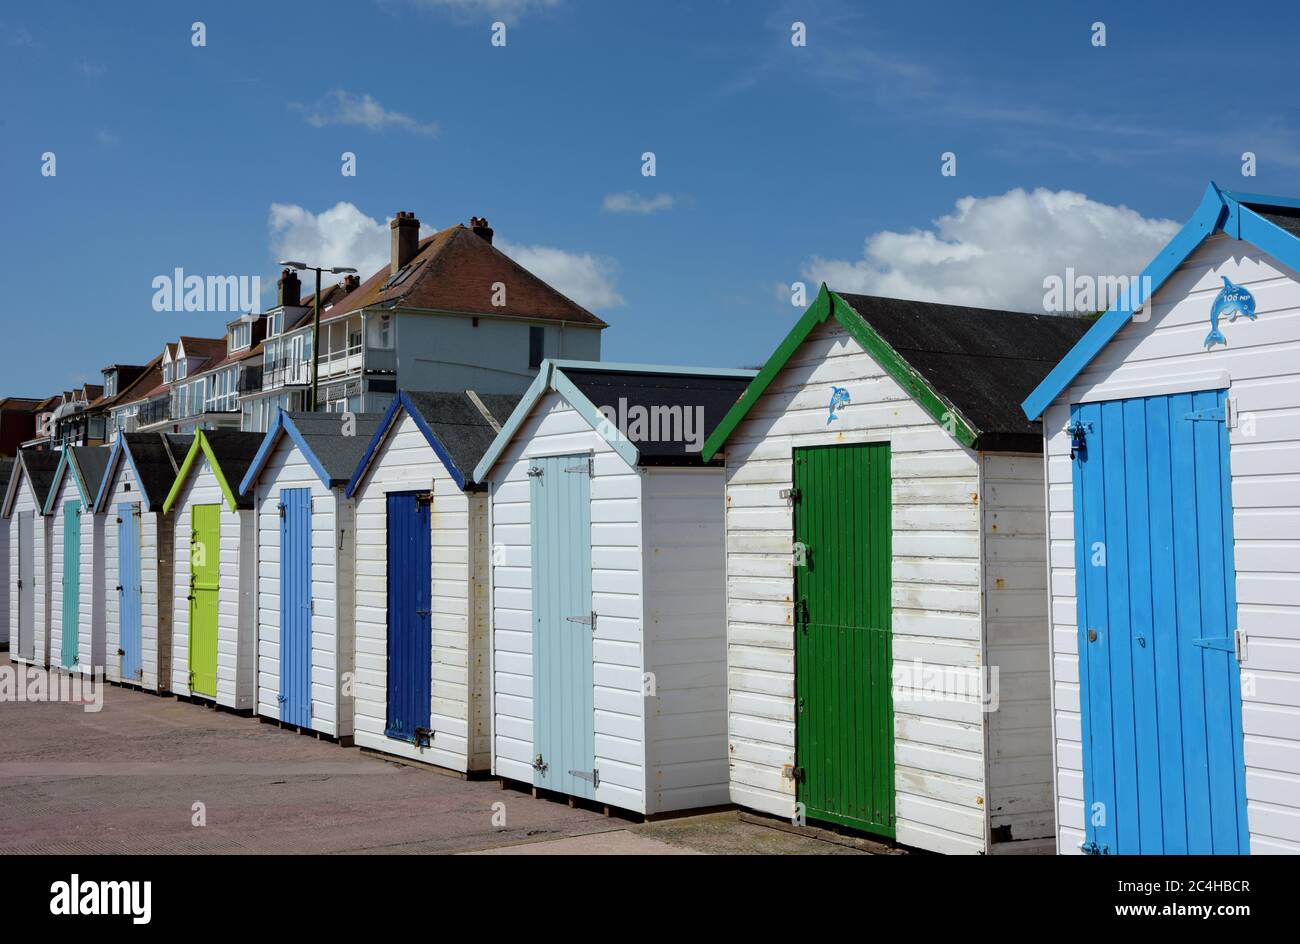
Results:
[1160, 688]
[129, 589]
[71, 581]
[563, 625]
[410, 640]
[295, 606]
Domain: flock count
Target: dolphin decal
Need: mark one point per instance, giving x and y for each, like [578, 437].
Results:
[1232, 300]
[839, 400]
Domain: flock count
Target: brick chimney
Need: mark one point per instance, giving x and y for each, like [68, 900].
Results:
[405, 238]
[351, 283]
[480, 227]
[288, 289]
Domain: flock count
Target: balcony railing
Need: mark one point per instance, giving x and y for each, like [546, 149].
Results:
[155, 411]
[250, 379]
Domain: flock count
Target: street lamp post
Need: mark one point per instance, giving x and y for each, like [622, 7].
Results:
[315, 318]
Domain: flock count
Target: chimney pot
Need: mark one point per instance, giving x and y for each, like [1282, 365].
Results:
[405, 232]
[351, 283]
[479, 225]
[289, 288]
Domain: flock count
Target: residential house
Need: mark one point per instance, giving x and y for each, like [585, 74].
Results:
[17, 423]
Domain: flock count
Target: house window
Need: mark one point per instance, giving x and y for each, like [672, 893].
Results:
[241, 335]
[381, 332]
[536, 347]
[181, 364]
[274, 324]
[110, 384]
[167, 372]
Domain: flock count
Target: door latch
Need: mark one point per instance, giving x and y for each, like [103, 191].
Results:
[424, 737]
[534, 472]
[539, 765]
[1092, 635]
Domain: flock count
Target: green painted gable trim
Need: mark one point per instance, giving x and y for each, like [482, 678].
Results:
[826, 305]
[200, 444]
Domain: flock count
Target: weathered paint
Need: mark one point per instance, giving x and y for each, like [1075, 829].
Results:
[295, 606]
[205, 584]
[563, 623]
[1162, 355]
[844, 721]
[960, 597]
[409, 611]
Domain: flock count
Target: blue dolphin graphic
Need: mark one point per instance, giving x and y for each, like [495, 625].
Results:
[839, 400]
[1232, 300]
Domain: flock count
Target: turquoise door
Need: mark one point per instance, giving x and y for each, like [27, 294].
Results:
[129, 589]
[71, 580]
[1159, 681]
[563, 625]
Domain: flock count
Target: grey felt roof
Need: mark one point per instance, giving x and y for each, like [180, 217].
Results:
[981, 361]
[40, 466]
[460, 425]
[709, 396]
[234, 451]
[339, 454]
[93, 462]
[1287, 218]
[157, 457]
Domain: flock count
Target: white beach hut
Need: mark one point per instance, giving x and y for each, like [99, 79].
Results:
[1173, 463]
[214, 621]
[6, 618]
[76, 561]
[29, 560]
[421, 580]
[139, 550]
[305, 552]
[887, 613]
[609, 669]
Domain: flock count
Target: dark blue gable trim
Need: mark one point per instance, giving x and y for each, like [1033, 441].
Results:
[402, 402]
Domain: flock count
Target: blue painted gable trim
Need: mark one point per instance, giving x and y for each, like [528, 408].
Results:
[402, 402]
[282, 425]
[66, 462]
[1208, 218]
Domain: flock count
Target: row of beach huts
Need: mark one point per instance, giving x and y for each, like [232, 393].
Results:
[973, 581]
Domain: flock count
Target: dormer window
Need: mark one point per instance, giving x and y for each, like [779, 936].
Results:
[167, 372]
[181, 364]
[274, 324]
[110, 383]
[241, 336]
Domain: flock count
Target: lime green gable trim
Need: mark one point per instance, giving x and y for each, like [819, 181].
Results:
[817, 312]
[200, 444]
[824, 306]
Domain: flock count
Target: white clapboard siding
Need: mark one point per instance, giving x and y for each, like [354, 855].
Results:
[936, 524]
[156, 570]
[6, 617]
[1019, 726]
[235, 621]
[555, 428]
[25, 501]
[1261, 363]
[90, 634]
[331, 590]
[684, 555]
[406, 462]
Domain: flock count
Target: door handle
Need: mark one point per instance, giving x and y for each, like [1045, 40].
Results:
[119, 588]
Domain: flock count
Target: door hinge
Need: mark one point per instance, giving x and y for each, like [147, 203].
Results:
[588, 620]
[281, 507]
[1221, 643]
[312, 606]
[589, 467]
[801, 613]
[1240, 637]
[591, 776]
[539, 765]
[789, 494]
[424, 498]
[1216, 414]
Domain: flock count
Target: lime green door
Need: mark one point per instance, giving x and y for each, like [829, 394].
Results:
[844, 713]
[205, 554]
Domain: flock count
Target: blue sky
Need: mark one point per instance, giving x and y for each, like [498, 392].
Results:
[774, 163]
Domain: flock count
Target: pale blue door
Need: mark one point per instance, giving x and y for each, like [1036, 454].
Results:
[1160, 687]
[563, 624]
[295, 606]
[129, 589]
[71, 582]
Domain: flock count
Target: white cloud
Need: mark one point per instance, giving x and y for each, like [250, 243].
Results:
[587, 279]
[995, 252]
[630, 202]
[339, 107]
[345, 236]
[505, 9]
[107, 138]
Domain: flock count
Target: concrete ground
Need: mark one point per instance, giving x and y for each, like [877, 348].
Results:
[157, 775]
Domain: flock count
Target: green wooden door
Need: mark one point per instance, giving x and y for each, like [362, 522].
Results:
[205, 554]
[844, 714]
[71, 582]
